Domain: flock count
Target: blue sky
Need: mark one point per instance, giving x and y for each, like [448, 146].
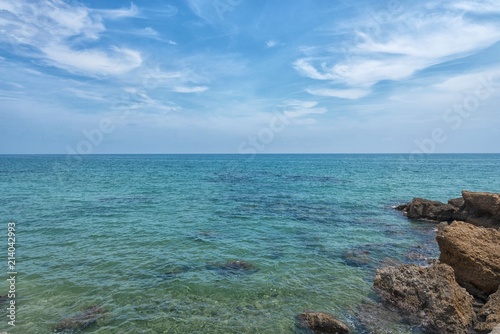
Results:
[249, 76]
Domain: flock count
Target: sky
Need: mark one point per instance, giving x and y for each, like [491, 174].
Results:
[249, 76]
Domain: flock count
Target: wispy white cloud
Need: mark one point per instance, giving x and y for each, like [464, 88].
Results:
[476, 82]
[86, 94]
[159, 8]
[195, 89]
[396, 51]
[213, 12]
[121, 13]
[306, 67]
[480, 7]
[59, 33]
[341, 93]
[93, 61]
[271, 43]
[138, 98]
[299, 111]
[148, 32]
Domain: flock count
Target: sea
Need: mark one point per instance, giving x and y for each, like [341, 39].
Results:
[213, 243]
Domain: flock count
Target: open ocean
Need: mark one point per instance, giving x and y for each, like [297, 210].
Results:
[146, 236]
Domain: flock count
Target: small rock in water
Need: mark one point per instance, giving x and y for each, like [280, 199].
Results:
[88, 317]
[370, 255]
[321, 323]
[174, 272]
[204, 236]
[357, 257]
[233, 267]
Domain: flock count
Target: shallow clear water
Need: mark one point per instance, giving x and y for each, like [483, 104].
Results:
[143, 236]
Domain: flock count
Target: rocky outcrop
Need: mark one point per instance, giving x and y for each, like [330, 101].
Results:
[441, 296]
[474, 254]
[481, 208]
[489, 316]
[478, 208]
[321, 323]
[420, 208]
[431, 294]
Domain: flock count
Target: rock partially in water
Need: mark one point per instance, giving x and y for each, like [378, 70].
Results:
[431, 294]
[420, 208]
[474, 254]
[478, 208]
[488, 316]
[321, 323]
[233, 267]
[87, 318]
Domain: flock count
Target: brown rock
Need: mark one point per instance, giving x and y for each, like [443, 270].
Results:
[420, 208]
[483, 208]
[456, 202]
[473, 252]
[322, 323]
[489, 315]
[431, 294]
[496, 330]
[477, 208]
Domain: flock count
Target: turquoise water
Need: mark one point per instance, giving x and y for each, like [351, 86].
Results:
[144, 236]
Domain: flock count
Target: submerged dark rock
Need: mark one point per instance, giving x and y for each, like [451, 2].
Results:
[357, 257]
[321, 323]
[374, 318]
[174, 272]
[233, 267]
[87, 318]
[371, 256]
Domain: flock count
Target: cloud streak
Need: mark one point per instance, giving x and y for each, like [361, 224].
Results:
[396, 51]
[59, 34]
